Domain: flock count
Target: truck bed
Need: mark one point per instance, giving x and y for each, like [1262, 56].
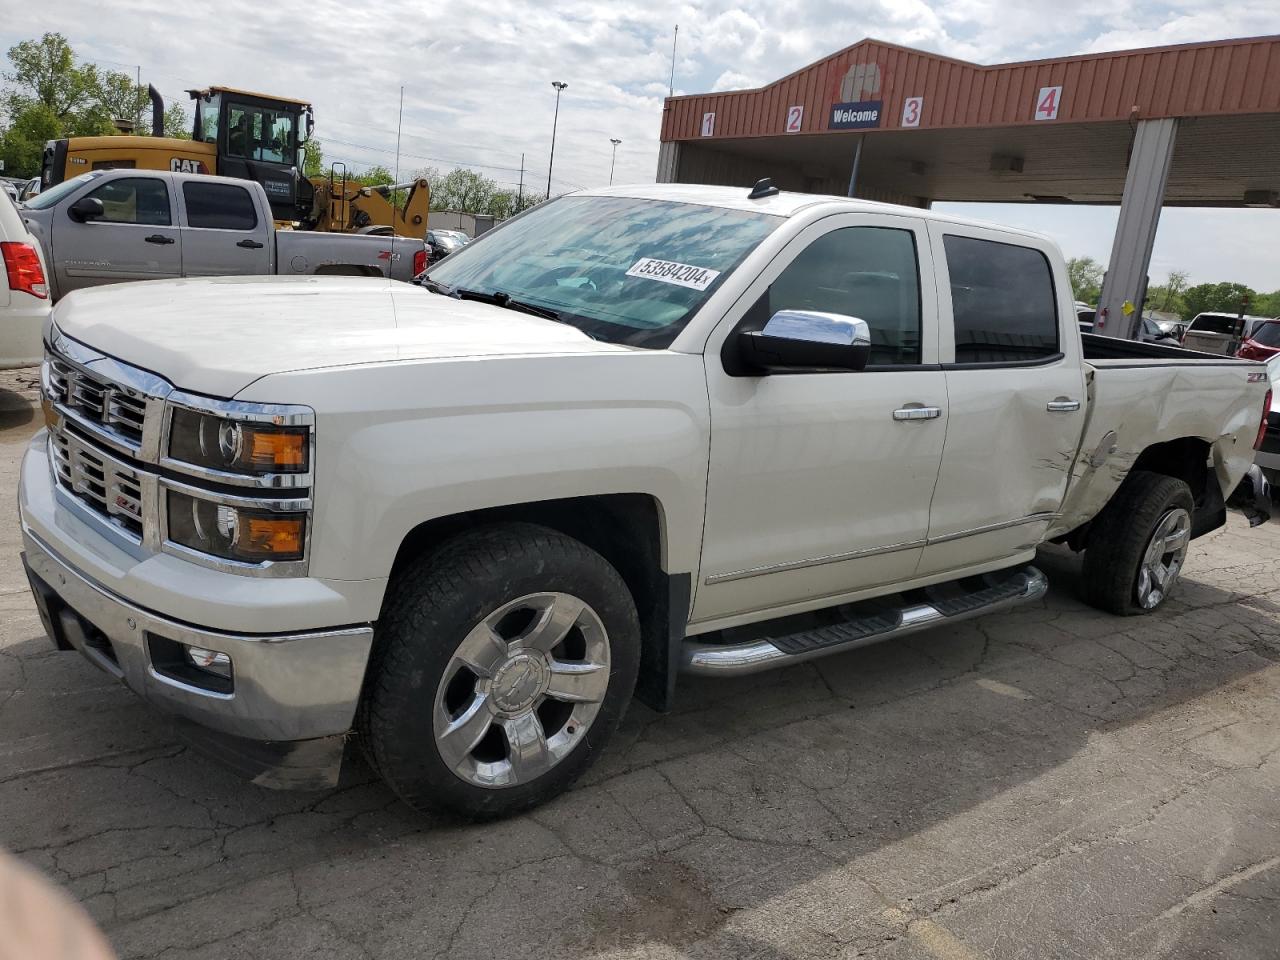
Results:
[1100, 348]
[1140, 393]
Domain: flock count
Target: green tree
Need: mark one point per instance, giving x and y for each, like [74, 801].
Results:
[463, 190]
[1217, 297]
[507, 203]
[176, 124]
[313, 158]
[1086, 278]
[1167, 297]
[1267, 304]
[44, 71]
[22, 145]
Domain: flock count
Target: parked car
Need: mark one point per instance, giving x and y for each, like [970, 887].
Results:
[29, 189]
[10, 190]
[110, 226]
[1263, 342]
[441, 243]
[627, 435]
[1269, 449]
[1219, 333]
[24, 292]
[1149, 331]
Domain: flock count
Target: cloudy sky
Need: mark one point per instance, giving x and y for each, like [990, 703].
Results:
[478, 78]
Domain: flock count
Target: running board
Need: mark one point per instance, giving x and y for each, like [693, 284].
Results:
[865, 623]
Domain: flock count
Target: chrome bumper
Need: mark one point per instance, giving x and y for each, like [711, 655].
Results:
[298, 686]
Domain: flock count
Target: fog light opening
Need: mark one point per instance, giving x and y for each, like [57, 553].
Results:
[192, 666]
[213, 661]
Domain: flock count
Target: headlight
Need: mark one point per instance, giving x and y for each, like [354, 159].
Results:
[235, 532]
[238, 446]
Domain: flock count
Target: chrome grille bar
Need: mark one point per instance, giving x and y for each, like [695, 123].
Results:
[108, 487]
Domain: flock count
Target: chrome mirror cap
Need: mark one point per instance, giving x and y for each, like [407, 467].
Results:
[805, 340]
[814, 326]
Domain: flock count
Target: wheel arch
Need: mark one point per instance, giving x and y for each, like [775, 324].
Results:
[629, 531]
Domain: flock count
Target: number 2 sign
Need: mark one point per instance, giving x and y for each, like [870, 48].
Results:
[912, 107]
[795, 117]
[1047, 102]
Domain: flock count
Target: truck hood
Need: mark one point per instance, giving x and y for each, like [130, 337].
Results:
[216, 336]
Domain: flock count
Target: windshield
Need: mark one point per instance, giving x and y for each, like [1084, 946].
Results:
[47, 198]
[260, 133]
[620, 269]
[1268, 334]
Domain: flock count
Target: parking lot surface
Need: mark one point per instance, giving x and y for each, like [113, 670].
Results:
[1054, 782]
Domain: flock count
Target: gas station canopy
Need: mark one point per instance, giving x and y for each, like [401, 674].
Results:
[936, 128]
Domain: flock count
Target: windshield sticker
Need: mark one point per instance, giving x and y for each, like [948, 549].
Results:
[668, 271]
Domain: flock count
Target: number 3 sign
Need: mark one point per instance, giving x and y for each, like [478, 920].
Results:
[912, 107]
[1047, 102]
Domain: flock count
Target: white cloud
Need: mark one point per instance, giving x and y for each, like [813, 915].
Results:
[478, 76]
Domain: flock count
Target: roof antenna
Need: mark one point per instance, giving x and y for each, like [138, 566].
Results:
[763, 188]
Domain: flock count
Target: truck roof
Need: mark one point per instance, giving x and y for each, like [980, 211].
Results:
[787, 204]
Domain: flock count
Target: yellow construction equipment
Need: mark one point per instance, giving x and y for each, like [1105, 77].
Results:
[251, 136]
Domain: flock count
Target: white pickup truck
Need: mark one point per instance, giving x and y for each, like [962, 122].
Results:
[112, 226]
[629, 433]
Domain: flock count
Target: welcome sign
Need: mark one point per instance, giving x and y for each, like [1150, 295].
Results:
[855, 116]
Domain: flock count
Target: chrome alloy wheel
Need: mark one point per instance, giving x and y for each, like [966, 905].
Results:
[1165, 554]
[521, 690]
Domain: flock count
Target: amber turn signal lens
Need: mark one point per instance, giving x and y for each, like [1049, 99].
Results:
[273, 537]
[277, 449]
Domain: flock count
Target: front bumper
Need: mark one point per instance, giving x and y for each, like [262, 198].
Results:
[286, 685]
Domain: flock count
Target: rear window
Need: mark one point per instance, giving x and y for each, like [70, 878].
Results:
[1214, 323]
[1002, 301]
[1268, 334]
[219, 206]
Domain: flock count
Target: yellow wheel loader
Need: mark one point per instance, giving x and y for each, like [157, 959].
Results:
[257, 137]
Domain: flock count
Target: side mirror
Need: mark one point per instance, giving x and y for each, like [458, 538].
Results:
[86, 208]
[807, 339]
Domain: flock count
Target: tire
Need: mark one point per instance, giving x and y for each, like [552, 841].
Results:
[1123, 533]
[437, 679]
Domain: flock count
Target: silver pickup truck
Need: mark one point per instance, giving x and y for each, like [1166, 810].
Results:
[110, 226]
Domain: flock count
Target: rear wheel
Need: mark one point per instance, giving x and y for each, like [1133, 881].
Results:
[1138, 544]
[504, 662]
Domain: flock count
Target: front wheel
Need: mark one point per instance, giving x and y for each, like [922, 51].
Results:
[1138, 544]
[504, 662]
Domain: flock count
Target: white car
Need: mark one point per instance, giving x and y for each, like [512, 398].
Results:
[24, 291]
[1269, 448]
[629, 433]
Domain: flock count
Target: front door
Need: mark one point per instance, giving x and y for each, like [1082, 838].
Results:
[137, 237]
[816, 490]
[1015, 384]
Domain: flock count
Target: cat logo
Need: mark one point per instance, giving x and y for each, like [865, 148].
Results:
[179, 165]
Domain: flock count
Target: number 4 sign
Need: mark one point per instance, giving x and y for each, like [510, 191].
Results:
[708, 124]
[1047, 102]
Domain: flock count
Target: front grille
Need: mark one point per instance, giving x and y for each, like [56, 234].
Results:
[107, 486]
[115, 408]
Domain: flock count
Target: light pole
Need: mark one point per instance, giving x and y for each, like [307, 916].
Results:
[615, 143]
[559, 87]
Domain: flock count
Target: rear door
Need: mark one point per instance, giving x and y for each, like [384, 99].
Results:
[1016, 395]
[137, 238]
[223, 232]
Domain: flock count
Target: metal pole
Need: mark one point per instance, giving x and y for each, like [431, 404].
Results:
[614, 161]
[857, 159]
[559, 87]
[399, 125]
[520, 193]
[671, 84]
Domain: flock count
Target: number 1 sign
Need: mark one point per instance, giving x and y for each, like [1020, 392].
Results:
[1047, 102]
[708, 124]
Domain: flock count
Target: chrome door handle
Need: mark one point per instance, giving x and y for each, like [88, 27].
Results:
[1062, 405]
[917, 413]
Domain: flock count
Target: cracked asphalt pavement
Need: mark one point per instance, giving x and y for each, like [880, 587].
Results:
[1054, 782]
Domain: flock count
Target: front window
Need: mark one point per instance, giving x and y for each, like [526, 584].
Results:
[261, 133]
[620, 269]
[207, 118]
